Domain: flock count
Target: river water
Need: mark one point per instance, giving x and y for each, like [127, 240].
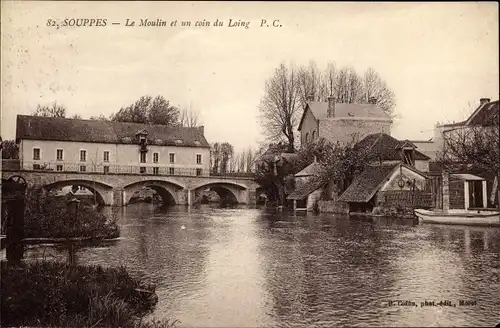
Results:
[248, 267]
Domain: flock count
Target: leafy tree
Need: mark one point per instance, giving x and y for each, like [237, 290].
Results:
[149, 110]
[52, 110]
[76, 117]
[10, 150]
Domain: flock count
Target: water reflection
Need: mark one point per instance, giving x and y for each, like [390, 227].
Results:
[247, 267]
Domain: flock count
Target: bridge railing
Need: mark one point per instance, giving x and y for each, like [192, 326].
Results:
[103, 168]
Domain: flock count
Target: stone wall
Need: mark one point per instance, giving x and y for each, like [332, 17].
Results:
[312, 200]
[330, 206]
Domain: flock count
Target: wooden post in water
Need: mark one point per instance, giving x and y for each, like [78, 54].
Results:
[13, 198]
[446, 191]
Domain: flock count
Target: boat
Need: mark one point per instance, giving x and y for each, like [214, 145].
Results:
[460, 217]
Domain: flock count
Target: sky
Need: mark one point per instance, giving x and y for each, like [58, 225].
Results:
[438, 58]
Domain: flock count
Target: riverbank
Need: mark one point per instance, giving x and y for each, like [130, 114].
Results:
[52, 294]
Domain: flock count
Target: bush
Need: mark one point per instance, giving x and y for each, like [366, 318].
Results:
[52, 217]
[53, 294]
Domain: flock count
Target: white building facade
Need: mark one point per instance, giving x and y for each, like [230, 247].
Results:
[71, 145]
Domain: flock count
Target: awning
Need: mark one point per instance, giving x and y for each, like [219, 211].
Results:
[467, 177]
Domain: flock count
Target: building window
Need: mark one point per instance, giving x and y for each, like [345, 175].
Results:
[307, 137]
[83, 168]
[143, 157]
[59, 154]
[155, 157]
[171, 171]
[59, 167]
[314, 135]
[198, 158]
[106, 156]
[156, 171]
[106, 169]
[36, 166]
[36, 154]
[83, 155]
[198, 172]
[171, 157]
[142, 169]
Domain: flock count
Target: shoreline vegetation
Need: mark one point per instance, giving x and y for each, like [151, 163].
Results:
[54, 217]
[53, 294]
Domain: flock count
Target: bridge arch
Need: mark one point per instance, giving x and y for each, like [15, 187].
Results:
[168, 191]
[229, 191]
[102, 191]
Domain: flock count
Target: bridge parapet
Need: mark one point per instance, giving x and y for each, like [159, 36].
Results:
[113, 186]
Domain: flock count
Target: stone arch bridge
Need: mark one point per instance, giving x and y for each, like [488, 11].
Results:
[117, 189]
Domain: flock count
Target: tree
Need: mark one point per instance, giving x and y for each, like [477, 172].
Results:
[215, 156]
[52, 110]
[374, 86]
[189, 117]
[472, 148]
[10, 150]
[250, 159]
[101, 117]
[242, 160]
[76, 117]
[149, 110]
[227, 151]
[280, 105]
[346, 85]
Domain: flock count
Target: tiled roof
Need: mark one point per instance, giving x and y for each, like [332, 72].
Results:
[370, 111]
[64, 129]
[305, 190]
[313, 169]
[365, 185]
[387, 147]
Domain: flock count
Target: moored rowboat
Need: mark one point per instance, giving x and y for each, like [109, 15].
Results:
[460, 217]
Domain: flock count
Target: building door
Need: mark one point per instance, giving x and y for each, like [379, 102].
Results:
[475, 193]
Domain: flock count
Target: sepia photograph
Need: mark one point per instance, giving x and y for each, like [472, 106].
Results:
[207, 164]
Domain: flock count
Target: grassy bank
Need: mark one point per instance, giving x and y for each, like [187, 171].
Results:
[54, 217]
[51, 294]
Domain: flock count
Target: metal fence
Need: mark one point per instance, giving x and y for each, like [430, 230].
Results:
[408, 198]
[103, 168]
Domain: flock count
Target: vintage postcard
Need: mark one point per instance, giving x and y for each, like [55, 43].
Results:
[249, 164]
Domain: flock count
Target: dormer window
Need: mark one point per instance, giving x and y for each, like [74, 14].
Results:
[158, 141]
[178, 141]
[197, 142]
[142, 136]
[409, 156]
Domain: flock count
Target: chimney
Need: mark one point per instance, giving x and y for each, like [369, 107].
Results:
[372, 100]
[331, 107]
[202, 130]
[310, 97]
[483, 101]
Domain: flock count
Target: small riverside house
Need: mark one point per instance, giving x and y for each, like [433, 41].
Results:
[308, 187]
[383, 185]
[467, 191]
